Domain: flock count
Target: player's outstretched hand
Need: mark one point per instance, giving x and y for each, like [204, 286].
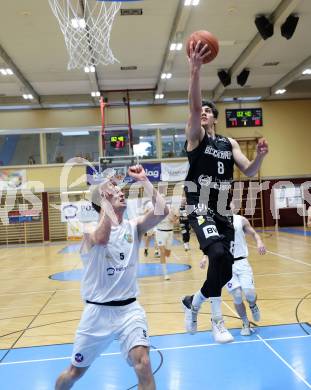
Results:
[262, 147]
[137, 172]
[198, 53]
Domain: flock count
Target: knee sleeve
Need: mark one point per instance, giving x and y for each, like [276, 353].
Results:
[237, 295]
[250, 294]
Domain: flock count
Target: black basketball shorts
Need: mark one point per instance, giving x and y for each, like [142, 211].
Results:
[211, 227]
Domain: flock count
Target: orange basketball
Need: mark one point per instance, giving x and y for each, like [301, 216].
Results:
[206, 38]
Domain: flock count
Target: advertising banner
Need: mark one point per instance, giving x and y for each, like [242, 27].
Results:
[12, 179]
[174, 171]
[153, 171]
[78, 211]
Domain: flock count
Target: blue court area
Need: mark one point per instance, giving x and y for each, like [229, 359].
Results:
[273, 358]
[144, 270]
[299, 232]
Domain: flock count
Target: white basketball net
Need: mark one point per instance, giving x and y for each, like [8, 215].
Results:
[86, 26]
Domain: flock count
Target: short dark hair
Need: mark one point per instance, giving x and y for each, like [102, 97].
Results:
[211, 105]
[96, 199]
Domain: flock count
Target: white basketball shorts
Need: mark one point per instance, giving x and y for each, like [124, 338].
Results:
[100, 325]
[242, 276]
[164, 238]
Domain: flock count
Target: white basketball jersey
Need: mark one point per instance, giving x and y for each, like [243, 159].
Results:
[166, 223]
[240, 245]
[110, 271]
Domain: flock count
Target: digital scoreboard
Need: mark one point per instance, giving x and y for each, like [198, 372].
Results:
[250, 117]
[117, 141]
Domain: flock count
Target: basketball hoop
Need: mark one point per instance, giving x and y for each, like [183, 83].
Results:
[86, 26]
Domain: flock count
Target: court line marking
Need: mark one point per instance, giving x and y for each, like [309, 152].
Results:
[192, 346]
[285, 362]
[285, 257]
[274, 351]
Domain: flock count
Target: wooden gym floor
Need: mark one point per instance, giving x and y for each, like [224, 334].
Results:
[36, 310]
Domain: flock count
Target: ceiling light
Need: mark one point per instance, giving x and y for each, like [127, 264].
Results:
[159, 96]
[27, 96]
[176, 46]
[166, 76]
[72, 133]
[95, 94]
[78, 23]
[88, 69]
[307, 71]
[6, 71]
[280, 91]
[249, 98]
[187, 3]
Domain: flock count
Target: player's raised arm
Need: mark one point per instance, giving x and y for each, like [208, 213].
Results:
[248, 229]
[159, 210]
[249, 168]
[194, 131]
[104, 197]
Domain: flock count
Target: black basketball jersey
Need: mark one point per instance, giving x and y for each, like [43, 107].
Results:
[211, 171]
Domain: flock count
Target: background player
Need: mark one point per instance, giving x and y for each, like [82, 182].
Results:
[164, 237]
[109, 284]
[208, 184]
[151, 233]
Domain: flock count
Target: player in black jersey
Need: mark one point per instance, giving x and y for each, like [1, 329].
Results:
[208, 184]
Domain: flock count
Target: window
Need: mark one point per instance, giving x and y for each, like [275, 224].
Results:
[60, 147]
[173, 142]
[144, 141]
[19, 149]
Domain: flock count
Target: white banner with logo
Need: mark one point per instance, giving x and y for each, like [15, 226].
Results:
[78, 211]
[12, 179]
[174, 171]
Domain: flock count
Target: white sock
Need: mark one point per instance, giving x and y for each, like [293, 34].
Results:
[198, 299]
[216, 312]
[164, 269]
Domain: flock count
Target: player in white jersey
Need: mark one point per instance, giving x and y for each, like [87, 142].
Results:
[148, 235]
[242, 281]
[109, 284]
[164, 237]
